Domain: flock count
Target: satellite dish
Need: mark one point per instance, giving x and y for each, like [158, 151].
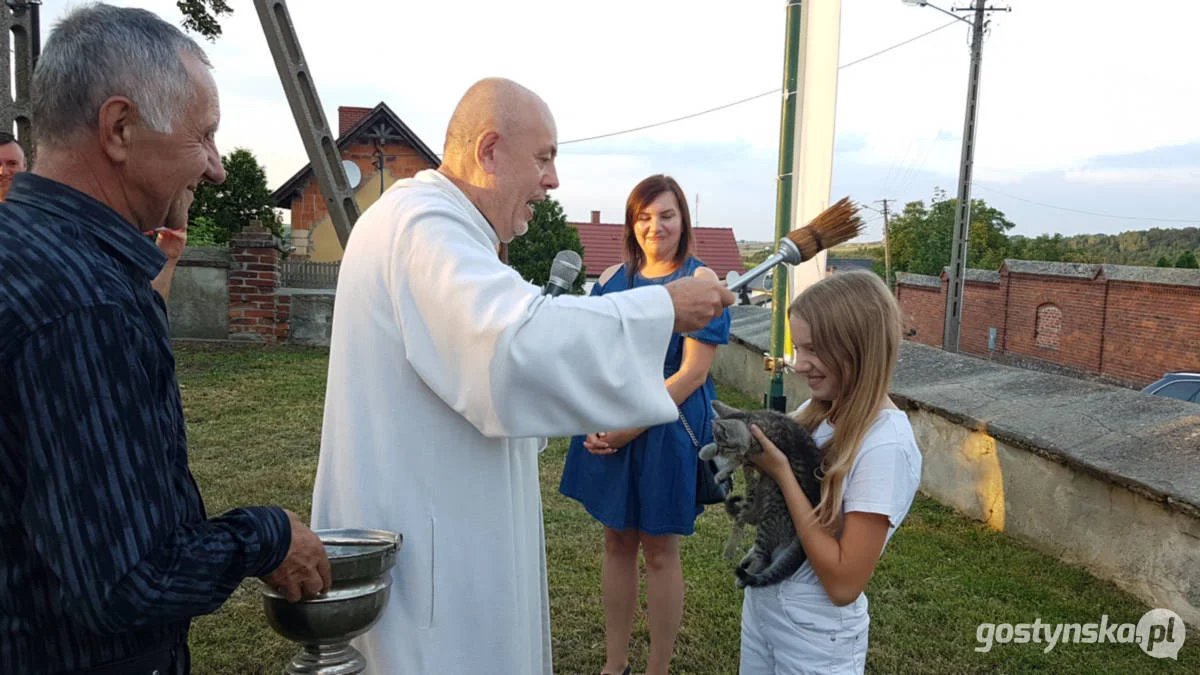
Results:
[353, 174]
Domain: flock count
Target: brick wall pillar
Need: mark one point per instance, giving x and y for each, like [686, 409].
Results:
[922, 301]
[254, 308]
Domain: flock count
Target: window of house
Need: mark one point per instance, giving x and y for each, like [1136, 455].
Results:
[1049, 324]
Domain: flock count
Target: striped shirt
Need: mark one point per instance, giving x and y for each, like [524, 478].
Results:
[105, 548]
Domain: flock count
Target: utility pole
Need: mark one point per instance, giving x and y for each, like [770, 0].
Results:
[310, 118]
[20, 37]
[887, 254]
[962, 215]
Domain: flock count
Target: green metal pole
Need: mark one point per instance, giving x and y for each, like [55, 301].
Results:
[775, 398]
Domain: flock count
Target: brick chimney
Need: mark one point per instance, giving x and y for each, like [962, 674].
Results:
[348, 116]
[595, 217]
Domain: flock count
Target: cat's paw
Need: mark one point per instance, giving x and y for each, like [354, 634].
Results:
[741, 577]
[751, 580]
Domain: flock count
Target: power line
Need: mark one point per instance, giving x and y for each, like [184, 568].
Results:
[677, 119]
[899, 44]
[1086, 213]
[749, 98]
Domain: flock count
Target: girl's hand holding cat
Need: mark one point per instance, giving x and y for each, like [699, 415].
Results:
[771, 460]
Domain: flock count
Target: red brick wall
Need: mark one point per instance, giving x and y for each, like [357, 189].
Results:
[1151, 330]
[1081, 302]
[403, 161]
[923, 309]
[983, 308]
[1126, 331]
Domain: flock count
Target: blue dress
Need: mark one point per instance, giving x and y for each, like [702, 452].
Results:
[649, 484]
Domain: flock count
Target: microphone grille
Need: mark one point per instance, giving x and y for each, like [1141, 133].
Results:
[566, 267]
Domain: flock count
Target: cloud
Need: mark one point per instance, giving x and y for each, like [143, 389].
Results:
[1164, 157]
[1185, 175]
[850, 142]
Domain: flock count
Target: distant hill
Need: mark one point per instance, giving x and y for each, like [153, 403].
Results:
[856, 250]
[1136, 247]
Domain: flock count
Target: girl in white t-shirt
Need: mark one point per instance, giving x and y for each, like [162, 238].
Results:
[846, 331]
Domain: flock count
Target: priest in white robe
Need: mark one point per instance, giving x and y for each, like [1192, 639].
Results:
[447, 370]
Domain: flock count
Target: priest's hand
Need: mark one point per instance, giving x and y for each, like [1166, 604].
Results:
[305, 572]
[608, 442]
[697, 301]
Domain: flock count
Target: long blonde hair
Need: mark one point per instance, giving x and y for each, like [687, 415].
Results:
[855, 325]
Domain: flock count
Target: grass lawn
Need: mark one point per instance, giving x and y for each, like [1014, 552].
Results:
[254, 419]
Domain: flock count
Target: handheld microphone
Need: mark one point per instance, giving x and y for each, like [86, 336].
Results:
[563, 272]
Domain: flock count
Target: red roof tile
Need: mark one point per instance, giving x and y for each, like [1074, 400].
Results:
[716, 246]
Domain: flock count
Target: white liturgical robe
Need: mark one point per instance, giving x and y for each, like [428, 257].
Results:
[445, 369]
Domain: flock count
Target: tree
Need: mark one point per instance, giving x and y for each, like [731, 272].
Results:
[1163, 262]
[202, 232]
[225, 209]
[1187, 260]
[200, 16]
[921, 237]
[751, 260]
[1045, 247]
[549, 233]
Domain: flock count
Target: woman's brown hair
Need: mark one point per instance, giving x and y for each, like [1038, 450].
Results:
[643, 194]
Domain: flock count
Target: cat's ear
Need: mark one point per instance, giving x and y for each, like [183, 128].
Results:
[722, 410]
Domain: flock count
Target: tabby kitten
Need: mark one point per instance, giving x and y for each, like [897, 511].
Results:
[777, 552]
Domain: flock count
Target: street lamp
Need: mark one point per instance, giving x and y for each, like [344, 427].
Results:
[922, 3]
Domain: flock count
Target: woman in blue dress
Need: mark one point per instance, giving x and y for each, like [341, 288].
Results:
[641, 483]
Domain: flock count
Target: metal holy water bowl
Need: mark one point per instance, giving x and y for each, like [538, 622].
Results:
[360, 562]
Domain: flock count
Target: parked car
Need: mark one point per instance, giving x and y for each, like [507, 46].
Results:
[1183, 386]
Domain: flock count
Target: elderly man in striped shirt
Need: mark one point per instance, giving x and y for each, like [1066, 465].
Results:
[107, 551]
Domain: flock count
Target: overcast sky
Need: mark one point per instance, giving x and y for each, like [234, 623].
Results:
[1085, 106]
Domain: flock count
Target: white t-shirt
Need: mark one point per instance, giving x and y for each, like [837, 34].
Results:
[883, 479]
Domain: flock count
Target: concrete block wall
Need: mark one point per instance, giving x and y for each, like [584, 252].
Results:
[199, 301]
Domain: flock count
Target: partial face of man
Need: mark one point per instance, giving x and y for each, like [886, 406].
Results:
[12, 160]
[524, 170]
[164, 169]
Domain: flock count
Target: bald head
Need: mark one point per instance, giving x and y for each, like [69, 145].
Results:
[500, 149]
[493, 104]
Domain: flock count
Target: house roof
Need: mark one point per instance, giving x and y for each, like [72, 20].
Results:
[379, 122]
[716, 246]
